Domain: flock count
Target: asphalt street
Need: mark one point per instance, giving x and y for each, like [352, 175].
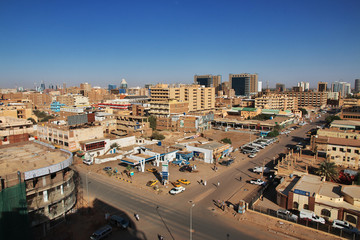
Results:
[170, 215]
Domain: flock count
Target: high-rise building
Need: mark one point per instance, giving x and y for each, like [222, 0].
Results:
[244, 84]
[280, 87]
[322, 86]
[85, 86]
[343, 88]
[357, 85]
[111, 87]
[259, 86]
[208, 81]
[304, 86]
[123, 84]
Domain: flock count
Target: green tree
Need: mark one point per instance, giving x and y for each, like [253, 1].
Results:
[158, 136]
[328, 170]
[331, 118]
[226, 140]
[114, 145]
[33, 120]
[152, 121]
[303, 111]
[273, 133]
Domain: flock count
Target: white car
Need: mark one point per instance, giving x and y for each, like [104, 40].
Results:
[257, 182]
[252, 155]
[176, 190]
[345, 226]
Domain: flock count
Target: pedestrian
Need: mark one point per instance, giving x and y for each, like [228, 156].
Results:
[201, 182]
[240, 178]
[218, 184]
[205, 183]
[136, 216]
[160, 237]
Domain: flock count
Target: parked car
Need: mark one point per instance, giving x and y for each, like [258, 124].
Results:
[101, 233]
[153, 170]
[118, 221]
[176, 190]
[227, 162]
[311, 216]
[107, 169]
[287, 215]
[184, 181]
[252, 155]
[151, 183]
[257, 182]
[345, 226]
[185, 168]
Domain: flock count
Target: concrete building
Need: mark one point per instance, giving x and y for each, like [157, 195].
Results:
[343, 88]
[345, 125]
[322, 87]
[43, 174]
[67, 137]
[199, 98]
[280, 87]
[185, 123]
[123, 104]
[167, 108]
[85, 86]
[328, 200]
[226, 90]
[208, 81]
[304, 86]
[132, 125]
[309, 99]
[210, 152]
[357, 85]
[276, 101]
[244, 84]
[14, 130]
[123, 84]
[17, 110]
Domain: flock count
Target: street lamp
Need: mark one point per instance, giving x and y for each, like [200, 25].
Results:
[87, 188]
[193, 205]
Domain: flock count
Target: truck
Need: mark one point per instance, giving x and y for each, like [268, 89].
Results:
[311, 216]
[261, 170]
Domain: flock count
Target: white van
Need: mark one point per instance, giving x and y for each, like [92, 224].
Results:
[311, 216]
[101, 233]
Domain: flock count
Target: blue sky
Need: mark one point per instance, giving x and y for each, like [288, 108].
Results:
[166, 41]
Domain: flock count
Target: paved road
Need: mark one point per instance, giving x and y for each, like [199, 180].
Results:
[170, 215]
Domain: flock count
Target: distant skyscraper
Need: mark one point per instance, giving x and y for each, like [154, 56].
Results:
[123, 84]
[280, 87]
[208, 81]
[244, 84]
[343, 88]
[42, 86]
[357, 85]
[322, 86]
[304, 86]
[85, 86]
[111, 87]
[259, 86]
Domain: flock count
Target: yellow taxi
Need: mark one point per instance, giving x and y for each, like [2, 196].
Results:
[153, 170]
[184, 181]
[151, 183]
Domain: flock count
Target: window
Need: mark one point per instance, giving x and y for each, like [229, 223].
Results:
[334, 148]
[357, 151]
[341, 149]
[296, 205]
[306, 206]
[325, 212]
[349, 150]
[351, 219]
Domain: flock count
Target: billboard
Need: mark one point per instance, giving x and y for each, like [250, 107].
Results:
[77, 119]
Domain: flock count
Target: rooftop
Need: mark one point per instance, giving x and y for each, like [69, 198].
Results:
[345, 122]
[338, 141]
[309, 183]
[353, 191]
[28, 156]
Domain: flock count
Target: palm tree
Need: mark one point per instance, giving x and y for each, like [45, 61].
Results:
[328, 170]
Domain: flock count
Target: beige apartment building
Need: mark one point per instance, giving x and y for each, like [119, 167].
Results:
[199, 98]
[68, 137]
[276, 101]
[165, 109]
[17, 111]
[309, 99]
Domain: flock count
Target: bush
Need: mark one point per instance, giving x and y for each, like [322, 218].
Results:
[331, 118]
[158, 136]
[226, 140]
[152, 121]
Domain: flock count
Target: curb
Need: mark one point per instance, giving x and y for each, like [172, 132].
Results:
[125, 180]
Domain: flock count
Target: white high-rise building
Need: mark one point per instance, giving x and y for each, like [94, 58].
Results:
[305, 86]
[343, 88]
[259, 86]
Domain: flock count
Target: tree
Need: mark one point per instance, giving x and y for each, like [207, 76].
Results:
[152, 121]
[331, 118]
[303, 111]
[114, 145]
[273, 133]
[328, 170]
[226, 140]
[32, 120]
[158, 136]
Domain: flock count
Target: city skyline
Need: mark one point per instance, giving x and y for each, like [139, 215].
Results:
[170, 42]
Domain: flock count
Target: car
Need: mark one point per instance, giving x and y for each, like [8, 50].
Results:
[184, 181]
[118, 221]
[151, 183]
[176, 190]
[252, 155]
[227, 162]
[153, 170]
[107, 169]
[257, 182]
[287, 215]
[311, 216]
[185, 168]
[176, 184]
[261, 169]
[345, 226]
[291, 129]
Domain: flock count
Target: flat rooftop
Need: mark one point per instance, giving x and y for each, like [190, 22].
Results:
[28, 156]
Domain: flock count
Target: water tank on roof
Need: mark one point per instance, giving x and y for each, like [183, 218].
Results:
[159, 143]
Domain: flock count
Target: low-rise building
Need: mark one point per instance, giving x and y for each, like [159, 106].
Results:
[328, 200]
[276, 101]
[14, 130]
[167, 108]
[210, 152]
[185, 123]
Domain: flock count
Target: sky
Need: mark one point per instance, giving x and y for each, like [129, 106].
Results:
[165, 41]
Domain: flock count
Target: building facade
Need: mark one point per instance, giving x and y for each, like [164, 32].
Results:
[244, 84]
[276, 101]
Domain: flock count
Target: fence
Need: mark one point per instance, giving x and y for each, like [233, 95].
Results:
[327, 227]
